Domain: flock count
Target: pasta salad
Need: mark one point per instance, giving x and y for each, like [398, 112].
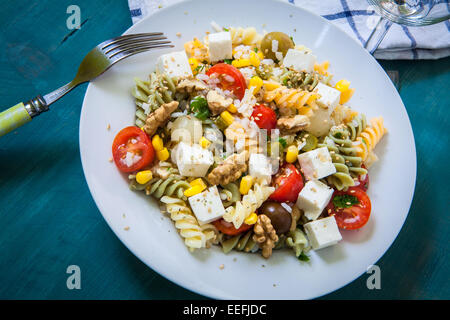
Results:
[248, 143]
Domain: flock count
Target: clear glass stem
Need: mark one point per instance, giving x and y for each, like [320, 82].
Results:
[377, 35]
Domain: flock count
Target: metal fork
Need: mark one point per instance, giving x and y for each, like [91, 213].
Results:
[97, 61]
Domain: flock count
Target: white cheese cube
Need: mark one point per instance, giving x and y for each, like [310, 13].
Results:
[220, 46]
[207, 206]
[193, 161]
[299, 60]
[313, 198]
[174, 64]
[323, 232]
[260, 167]
[316, 164]
[329, 97]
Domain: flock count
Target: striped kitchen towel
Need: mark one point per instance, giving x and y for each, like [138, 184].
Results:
[358, 19]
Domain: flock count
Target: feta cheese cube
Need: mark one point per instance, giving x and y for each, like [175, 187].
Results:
[323, 232]
[207, 206]
[193, 161]
[220, 46]
[313, 198]
[174, 64]
[316, 164]
[329, 97]
[260, 167]
[299, 60]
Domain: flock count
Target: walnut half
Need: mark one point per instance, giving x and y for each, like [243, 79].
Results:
[265, 235]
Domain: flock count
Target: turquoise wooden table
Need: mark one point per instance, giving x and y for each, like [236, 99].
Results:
[49, 221]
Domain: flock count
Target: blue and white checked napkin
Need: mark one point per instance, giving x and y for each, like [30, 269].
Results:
[357, 19]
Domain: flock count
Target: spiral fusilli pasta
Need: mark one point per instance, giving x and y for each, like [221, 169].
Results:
[357, 126]
[297, 241]
[195, 236]
[247, 36]
[174, 185]
[291, 98]
[241, 242]
[249, 203]
[369, 138]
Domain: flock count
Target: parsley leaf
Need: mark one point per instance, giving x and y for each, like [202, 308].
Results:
[282, 142]
[255, 49]
[345, 201]
[227, 61]
[199, 105]
[303, 257]
[199, 68]
[226, 29]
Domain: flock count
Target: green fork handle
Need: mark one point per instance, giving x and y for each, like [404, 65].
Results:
[20, 114]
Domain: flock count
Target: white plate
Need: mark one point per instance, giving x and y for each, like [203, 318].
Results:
[153, 238]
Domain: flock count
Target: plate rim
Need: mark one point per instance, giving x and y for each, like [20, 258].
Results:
[202, 292]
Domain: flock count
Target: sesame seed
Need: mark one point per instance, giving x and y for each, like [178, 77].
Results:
[221, 267]
[108, 126]
[126, 228]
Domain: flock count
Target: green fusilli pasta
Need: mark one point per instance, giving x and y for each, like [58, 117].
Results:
[356, 126]
[242, 242]
[297, 241]
[173, 186]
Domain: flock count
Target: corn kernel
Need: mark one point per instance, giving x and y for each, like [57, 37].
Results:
[256, 82]
[291, 154]
[192, 191]
[232, 108]
[157, 143]
[227, 117]
[142, 177]
[254, 59]
[204, 143]
[240, 63]
[246, 184]
[198, 182]
[251, 219]
[270, 85]
[346, 95]
[342, 85]
[260, 55]
[193, 63]
[322, 68]
[163, 154]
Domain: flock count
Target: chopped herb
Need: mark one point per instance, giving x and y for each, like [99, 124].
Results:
[199, 106]
[228, 61]
[282, 142]
[303, 257]
[338, 135]
[226, 29]
[199, 68]
[345, 201]
[292, 40]
[255, 49]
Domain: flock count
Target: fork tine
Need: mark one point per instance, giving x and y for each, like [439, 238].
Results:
[126, 54]
[131, 43]
[131, 39]
[136, 35]
[135, 46]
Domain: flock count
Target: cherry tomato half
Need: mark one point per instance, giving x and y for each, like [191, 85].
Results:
[133, 140]
[363, 180]
[288, 183]
[264, 117]
[228, 228]
[351, 208]
[237, 85]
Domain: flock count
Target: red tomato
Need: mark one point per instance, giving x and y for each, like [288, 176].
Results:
[228, 228]
[288, 183]
[355, 216]
[363, 180]
[134, 140]
[222, 70]
[264, 117]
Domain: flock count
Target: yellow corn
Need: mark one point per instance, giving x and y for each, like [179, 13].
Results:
[256, 82]
[246, 184]
[194, 64]
[260, 55]
[157, 143]
[346, 95]
[227, 117]
[232, 108]
[204, 142]
[251, 219]
[291, 154]
[322, 68]
[198, 182]
[142, 177]
[254, 59]
[240, 63]
[271, 85]
[192, 191]
[163, 154]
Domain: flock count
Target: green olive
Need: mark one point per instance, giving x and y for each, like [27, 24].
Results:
[284, 44]
[311, 141]
[281, 219]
